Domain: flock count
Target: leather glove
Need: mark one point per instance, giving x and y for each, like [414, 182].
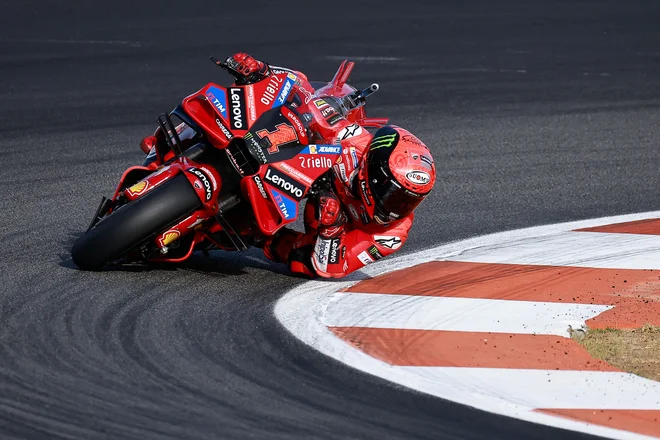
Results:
[331, 217]
[246, 68]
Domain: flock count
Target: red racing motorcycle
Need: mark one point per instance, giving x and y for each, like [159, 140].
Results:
[225, 169]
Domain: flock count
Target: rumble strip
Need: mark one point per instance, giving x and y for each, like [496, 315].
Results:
[485, 322]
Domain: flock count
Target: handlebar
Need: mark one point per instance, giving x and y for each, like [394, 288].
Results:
[357, 98]
[371, 89]
[347, 103]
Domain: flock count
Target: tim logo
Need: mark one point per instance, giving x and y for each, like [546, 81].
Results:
[218, 98]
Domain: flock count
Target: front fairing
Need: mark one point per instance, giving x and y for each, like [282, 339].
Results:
[290, 166]
[269, 117]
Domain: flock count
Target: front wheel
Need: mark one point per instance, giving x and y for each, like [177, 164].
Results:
[132, 224]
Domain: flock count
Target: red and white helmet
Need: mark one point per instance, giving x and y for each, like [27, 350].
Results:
[396, 174]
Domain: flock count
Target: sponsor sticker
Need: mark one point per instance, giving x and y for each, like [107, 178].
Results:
[138, 188]
[210, 175]
[315, 162]
[327, 112]
[321, 149]
[365, 258]
[307, 93]
[237, 98]
[272, 87]
[333, 258]
[206, 182]
[383, 141]
[375, 253]
[284, 204]
[224, 129]
[260, 186]
[283, 166]
[286, 89]
[252, 111]
[353, 212]
[283, 182]
[349, 132]
[320, 103]
[334, 119]
[218, 98]
[365, 193]
[418, 177]
[195, 223]
[256, 148]
[342, 172]
[321, 253]
[168, 237]
[233, 161]
[388, 241]
[296, 122]
[279, 70]
[354, 156]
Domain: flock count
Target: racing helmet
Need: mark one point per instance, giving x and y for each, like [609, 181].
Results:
[396, 174]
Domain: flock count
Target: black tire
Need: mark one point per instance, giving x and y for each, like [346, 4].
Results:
[135, 222]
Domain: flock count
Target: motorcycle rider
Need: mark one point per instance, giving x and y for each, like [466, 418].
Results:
[367, 210]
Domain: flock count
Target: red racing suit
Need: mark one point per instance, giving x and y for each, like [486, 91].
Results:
[359, 240]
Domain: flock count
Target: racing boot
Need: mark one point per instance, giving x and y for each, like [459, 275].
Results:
[293, 249]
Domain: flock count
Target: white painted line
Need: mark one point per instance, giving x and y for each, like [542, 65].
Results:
[301, 311]
[375, 310]
[579, 249]
[361, 58]
[552, 389]
[305, 310]
[67, 41]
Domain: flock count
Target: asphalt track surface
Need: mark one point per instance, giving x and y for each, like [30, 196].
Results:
[536, 112]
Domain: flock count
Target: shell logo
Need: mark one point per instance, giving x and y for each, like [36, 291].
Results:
[138, 188]
[169, 237]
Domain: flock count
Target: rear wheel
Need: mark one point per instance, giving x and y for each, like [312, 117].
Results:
[132, 224]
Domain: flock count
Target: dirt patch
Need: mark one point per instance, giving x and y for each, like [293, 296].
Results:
[636, 351]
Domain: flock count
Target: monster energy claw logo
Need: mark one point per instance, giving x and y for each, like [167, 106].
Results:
[383, 141]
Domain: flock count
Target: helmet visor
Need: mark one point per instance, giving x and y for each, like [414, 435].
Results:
[393, 202]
